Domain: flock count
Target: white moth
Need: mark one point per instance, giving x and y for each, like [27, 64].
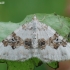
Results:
[35, 39]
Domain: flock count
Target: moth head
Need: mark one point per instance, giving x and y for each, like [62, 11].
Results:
[34, 18]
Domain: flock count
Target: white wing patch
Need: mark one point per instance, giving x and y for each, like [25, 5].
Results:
[35, 39]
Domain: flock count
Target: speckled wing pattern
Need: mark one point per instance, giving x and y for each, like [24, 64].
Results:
[35, 39]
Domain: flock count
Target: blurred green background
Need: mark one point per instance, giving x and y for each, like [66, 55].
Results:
[17, 10]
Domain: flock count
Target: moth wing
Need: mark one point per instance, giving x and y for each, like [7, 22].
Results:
[55, 47]
[13, 47]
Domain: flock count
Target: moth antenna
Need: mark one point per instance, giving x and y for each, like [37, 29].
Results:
[42, 19]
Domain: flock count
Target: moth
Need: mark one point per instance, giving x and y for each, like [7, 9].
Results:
[35, 39]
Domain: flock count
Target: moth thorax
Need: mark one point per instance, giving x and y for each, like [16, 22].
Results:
[35, 40]
[35, 43]
[34, 26]
[35, 35]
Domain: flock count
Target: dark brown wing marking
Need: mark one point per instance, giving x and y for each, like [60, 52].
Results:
[42, 43]
[57, 43]
[14, 41]
[5, 42]
[52, 41]
[28, 43]
[63, 43]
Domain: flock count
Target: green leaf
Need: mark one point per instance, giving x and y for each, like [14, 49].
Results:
[59, 23]
[3, 66]
[54, 65]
